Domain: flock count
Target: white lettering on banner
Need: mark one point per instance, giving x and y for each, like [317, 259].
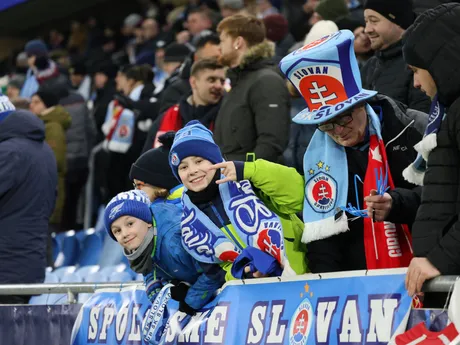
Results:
[277, 326]
[135, 332]
[394, 249]
[192, 239]
[382, 311]
[190, 334]
[256, 323]
[108, 314]
[215, 328]
[93, 327]
[174, 327]
[121, 322]
[350, 328]
[325, 310]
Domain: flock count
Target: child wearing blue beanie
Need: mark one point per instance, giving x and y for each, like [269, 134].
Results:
[152, 244]
[220, 218]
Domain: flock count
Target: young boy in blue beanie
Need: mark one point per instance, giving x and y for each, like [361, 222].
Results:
[221, 221]
[153, 248]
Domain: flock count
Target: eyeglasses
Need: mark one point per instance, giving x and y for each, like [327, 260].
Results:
[340, 121]
[137, 185]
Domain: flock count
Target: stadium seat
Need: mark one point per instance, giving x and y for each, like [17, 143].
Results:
[63, 271]
[91, 248]
[120, 277]
[112, 253]
[100, 219]
[84, 271]
[139, 277]
[70, 249]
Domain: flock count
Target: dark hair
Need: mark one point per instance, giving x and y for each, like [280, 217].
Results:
[205, 39]
[201, 65]
[248, 27]
[141, 73]
[203, 11]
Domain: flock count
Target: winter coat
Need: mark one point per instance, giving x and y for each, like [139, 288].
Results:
[387, 73]
[345, 251]
[254, 115]
[436, 231]
[57, 120]
[171, 261]
[28, 182]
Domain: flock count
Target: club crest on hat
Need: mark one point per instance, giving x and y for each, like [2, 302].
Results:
[174, 159]
[114, 211]
[326, 74]
[321, 188]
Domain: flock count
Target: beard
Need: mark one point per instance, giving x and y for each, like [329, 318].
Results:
[229, 59]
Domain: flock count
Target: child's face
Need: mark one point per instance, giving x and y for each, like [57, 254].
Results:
[195, 173]
[129, 231]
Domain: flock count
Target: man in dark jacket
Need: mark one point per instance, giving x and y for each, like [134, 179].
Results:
[254, 116]
[432, 51]
[207, 81]
[387, 72]
[28, 182]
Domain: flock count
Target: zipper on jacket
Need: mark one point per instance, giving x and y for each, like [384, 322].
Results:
[227, 231]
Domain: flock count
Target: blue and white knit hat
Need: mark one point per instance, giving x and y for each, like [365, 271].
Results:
[193, 140]
[6, 107]
[133, 203]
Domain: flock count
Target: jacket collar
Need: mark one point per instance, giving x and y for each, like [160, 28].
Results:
[392, 51]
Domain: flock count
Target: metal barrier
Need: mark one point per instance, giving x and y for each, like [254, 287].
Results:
[439, 284]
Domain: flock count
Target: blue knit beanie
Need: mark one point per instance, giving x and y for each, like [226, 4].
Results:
[193, 140]
[36, 48]
[134, 203]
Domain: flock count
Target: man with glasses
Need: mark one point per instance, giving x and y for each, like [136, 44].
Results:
[357, 207]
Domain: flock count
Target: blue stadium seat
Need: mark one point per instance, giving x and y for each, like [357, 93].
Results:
[139, 277]
[63, 271]
[70, 248]
[100, 219]
[112, 253]
[108, 270]
[84, 271]
[91, 248]
[120, 277]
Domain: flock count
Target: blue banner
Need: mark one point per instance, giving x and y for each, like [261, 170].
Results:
[347, 310]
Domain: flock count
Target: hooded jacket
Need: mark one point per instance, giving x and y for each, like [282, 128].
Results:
[28, 181]
[254, 115]
[57, 120]
[432, 43]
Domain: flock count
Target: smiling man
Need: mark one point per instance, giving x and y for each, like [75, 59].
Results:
[362, 139]
[386, 72]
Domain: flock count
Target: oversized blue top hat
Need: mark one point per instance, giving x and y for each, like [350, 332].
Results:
[326, 74]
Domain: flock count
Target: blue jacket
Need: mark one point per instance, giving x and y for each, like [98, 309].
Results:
[172, 262]
[30, 85]
[28, 185]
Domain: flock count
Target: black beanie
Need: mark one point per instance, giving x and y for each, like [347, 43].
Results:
[50, 99]
[152, 167]
[399, 12]
[176, 52]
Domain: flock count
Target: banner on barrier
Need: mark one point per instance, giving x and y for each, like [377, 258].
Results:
[347, 310]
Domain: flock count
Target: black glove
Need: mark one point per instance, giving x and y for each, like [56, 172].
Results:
[124, 101]
[185, 308]
[179, 291]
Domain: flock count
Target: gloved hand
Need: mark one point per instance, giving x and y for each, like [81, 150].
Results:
[179, 291]
[124, 101]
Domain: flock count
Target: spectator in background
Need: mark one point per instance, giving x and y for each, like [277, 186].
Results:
[57, 120]
[56, 40]
[362, 43]
[104, 86]
[198, 20]
[33, 49]
[130, 24]
[277, 31]
[28, 182]
[387, 72]
[145, 52]
[329, 10]
[81, 82]
[78, 38]
[254, 115]
[207, 47]
[230, 7]
[207, 81]
[432, 52]
[14, 87]
[265, 8]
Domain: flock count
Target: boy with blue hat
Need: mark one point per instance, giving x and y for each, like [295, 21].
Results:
[356, 157]
[222, 220]
[152, 244]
